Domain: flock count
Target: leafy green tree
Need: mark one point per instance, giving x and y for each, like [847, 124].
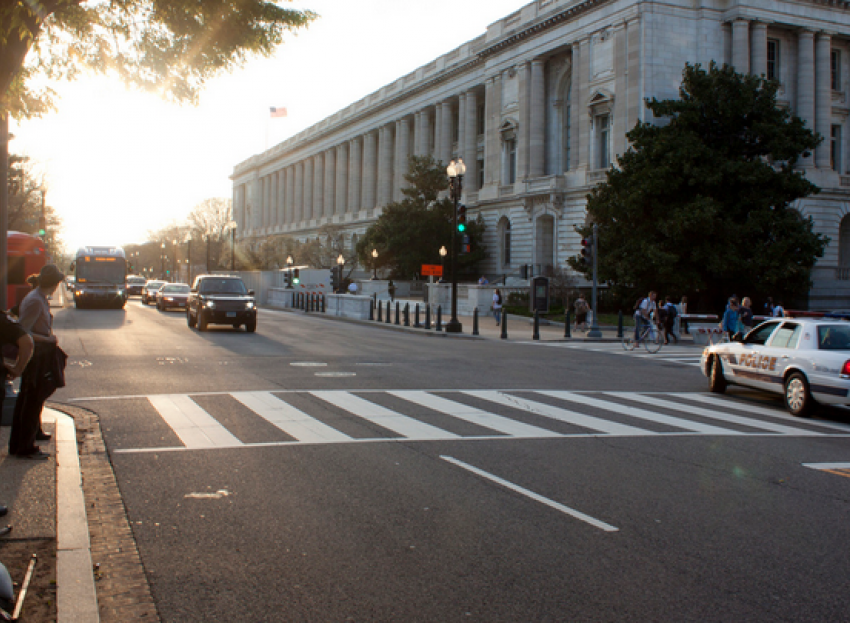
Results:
[702, 202]
[410, 233]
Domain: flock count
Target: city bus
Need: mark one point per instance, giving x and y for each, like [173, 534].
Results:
[100, 274]
[26, 255]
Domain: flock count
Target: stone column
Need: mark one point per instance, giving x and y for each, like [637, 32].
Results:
[385, 165]
[318, 186]
[280, 211]
[523, 148]
[823, 99]
[309, 210]
[417, 133]
[619, 123]
[636, 107]
[758, 66]
[445, 127]
[806, 83]
[402, 149]
[582, 116]
[438, 132]
[299, 192]
[470, 147]
[461, 126]
[290, 195]
[341, 202]
[492, 140]
[355, 174]
[370, 171]
[330, 173]
[537, 120]
[741, 46]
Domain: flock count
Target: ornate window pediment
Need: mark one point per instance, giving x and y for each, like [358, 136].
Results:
[508, 130]
[601, 102]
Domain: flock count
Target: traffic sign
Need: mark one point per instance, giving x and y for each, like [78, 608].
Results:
[432, 270]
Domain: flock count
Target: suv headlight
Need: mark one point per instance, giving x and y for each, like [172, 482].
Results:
[209, 304]
[249, 305]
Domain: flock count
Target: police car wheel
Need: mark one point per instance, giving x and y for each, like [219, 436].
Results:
[798, 397]
[716, 380]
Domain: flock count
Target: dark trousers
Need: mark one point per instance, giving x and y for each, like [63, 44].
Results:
[27, 418]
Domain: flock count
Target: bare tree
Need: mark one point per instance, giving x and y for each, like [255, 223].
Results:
[210, 221]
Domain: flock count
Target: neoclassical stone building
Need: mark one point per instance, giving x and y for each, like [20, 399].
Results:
[538, 108]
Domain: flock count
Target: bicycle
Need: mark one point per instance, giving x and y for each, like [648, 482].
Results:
[650, 337]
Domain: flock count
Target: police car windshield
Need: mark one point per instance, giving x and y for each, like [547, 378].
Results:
[834, 337]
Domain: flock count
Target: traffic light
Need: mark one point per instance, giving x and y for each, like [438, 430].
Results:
[461, 218]
[42, 226]
[296, 277]
[333, 279]
[587, 251]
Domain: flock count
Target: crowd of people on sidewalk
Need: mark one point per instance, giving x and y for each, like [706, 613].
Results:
[31, 352]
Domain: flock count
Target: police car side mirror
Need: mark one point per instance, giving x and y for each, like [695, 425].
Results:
[250, 293]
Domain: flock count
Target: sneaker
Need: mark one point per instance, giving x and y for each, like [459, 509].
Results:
[38, 455]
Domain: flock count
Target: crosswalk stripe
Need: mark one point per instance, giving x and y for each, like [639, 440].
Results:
[562, 415]
[396, 422]
[725, 403]
[659, 418]
[195, 427]
[719, 415]
[475, 416]
[287, 418]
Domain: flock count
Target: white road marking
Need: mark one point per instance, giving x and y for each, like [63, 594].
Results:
[827, 465]
[385, 418]
[534, 496]
[287, 418]
[475, 416]
[195, 427]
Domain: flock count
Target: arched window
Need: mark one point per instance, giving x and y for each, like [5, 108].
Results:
[504, 242]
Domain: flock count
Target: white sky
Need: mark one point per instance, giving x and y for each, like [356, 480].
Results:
[119, 164]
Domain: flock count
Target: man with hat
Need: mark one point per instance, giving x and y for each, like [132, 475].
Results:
[36, 319]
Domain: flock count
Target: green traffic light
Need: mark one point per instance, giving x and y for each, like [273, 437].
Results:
[461, 227]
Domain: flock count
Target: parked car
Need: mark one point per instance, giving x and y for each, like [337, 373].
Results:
[807, 360]
[221, 299]
[135, 284]
[172, 295]
[149, 291]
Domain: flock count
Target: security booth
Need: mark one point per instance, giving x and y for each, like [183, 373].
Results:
[539, 295]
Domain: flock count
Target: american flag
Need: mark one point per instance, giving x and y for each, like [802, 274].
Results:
[277, 112]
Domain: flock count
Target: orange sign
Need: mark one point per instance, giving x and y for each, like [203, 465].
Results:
[432, 270]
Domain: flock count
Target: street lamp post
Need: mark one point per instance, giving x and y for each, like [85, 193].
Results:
[189, 256]
[340, 262]
[162, 260]
[175, 262]
[455, 171]
[289, 263]
[374, 264]
[232, 225]
[443, 254]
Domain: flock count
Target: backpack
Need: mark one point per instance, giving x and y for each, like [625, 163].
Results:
[672, 312]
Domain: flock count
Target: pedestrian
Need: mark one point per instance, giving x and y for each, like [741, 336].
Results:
[778, 311]
[483, 281]
[45, 371]
[670, 320]
[644, 313]
[731, 317]
[746, 314]
[17, 349]
[497, 306]
[581, 308]
[352, 287]
[768, 307]
[391, 290]
[683, 309]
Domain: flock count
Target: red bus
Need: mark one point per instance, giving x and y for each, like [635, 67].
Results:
[26, 255]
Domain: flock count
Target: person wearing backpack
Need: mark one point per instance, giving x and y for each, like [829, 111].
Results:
[670, 320]
[581, 308]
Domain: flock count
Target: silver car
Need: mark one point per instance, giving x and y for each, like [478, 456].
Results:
[807, 360]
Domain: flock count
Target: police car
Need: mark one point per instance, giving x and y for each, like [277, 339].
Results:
[807, 360]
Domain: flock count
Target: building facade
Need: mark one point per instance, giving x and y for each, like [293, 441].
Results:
[538, 108]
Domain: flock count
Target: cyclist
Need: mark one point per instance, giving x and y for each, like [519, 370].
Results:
[644, 311]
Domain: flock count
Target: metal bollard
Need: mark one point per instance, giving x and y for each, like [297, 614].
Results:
[397, 307]
[620, 323]
[417, 325]
[407, 314]
[371, 310]
[428, 317]
[388, 313]
[307, 301]
[380, 313]
[536, 334]
[567, 327]
[439, 326]
[475, 321]
[504, 335]
[323, 303]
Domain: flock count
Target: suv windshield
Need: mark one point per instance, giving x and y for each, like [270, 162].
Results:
[182, 289]
[222, 286]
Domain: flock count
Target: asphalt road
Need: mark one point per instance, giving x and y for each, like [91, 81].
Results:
[326, 471]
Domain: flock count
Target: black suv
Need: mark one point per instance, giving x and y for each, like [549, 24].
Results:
[221, 299]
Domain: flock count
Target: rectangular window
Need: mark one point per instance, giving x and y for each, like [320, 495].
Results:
[456, 124]
[835, 69]
[481, 173]
[479, 119]
[835, 148]
[772, 59]
[510, 148]
[507, 258]
[603, 137]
